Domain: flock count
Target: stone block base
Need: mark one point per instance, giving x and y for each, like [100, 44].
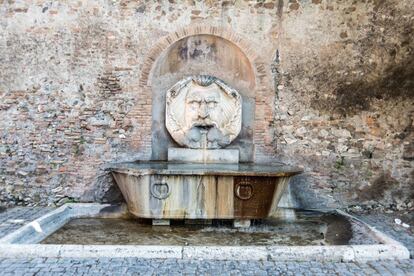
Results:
[241, 223]
[203, 156]
[161, 222]
[198, 221]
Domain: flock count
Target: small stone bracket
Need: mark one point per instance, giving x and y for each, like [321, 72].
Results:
[161, 222]
[241, 223]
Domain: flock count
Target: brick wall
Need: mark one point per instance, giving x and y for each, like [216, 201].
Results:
[333, 92]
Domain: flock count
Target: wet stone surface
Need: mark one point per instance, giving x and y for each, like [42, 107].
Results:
[310, 228]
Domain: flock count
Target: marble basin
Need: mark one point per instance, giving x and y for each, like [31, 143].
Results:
[165, 190]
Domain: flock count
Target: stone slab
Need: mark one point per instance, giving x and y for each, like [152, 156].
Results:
[338, 253]
[89, 251]
[376, 252]
[203, 156]
[359, 253]
[225, 252]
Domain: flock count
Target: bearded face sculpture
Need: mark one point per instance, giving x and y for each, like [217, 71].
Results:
[203, 112]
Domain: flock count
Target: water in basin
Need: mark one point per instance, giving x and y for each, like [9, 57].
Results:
[310, 228]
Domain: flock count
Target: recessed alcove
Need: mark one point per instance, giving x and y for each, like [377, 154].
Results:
[203, 54]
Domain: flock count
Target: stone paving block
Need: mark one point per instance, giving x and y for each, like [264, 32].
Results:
[380, 268]
[366, 268]
[395, 270]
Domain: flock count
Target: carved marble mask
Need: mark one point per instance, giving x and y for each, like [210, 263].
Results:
[203, 112]
[201, 107]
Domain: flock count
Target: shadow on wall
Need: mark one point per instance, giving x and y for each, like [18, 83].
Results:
[304, 196]
[383, 183]
[396, 82]
[104, 190]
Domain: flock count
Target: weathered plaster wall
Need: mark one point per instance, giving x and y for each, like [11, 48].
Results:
[338, 76]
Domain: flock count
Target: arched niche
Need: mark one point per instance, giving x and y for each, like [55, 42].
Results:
[205, 54]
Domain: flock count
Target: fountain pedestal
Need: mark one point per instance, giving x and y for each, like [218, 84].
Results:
[202, 179]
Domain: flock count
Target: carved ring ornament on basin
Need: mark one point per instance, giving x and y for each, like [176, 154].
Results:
[160, 190]
[203, 112]
[244, 191]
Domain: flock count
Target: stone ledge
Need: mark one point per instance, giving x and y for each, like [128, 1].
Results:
[352, 253]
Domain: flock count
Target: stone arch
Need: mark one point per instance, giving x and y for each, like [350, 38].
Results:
[225, 33]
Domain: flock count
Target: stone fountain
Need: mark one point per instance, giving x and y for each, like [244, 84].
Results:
[202, 179]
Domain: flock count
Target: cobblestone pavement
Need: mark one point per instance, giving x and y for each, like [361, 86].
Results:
[125, 266]
[14, 218]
